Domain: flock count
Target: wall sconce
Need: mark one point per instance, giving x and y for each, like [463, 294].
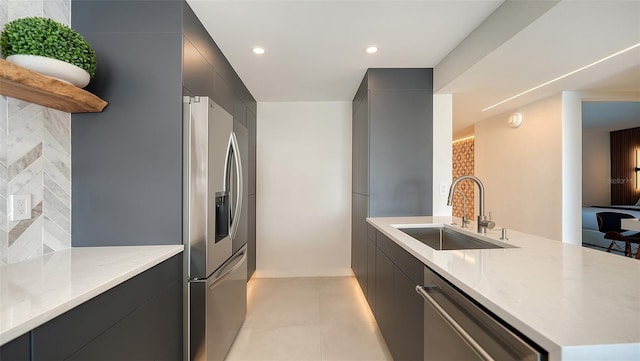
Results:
[515, 120]
[637, 169]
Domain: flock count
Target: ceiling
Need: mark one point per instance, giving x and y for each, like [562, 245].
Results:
[482, 51]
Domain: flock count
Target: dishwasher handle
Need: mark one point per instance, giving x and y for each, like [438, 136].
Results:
[423, 291]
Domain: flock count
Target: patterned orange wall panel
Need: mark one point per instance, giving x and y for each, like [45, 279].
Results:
[463, 164]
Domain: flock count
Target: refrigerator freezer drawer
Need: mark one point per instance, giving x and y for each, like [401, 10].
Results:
[217, 309]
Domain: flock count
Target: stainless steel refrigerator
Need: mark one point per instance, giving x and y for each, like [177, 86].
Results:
[215, 276]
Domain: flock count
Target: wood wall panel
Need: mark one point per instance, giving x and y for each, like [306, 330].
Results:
[463, 164]
[624, 144]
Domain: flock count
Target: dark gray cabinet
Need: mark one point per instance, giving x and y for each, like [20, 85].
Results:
[384, 312]
[400, 152]
[251, 237]
[140, 319]
[392, 131]
[408, 317]
[360, 145]
[127, 160]
[359, 239]
[398, 308]
[251, 241]
[17, 350]
[371, 273]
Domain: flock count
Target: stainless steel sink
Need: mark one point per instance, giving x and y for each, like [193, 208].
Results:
[442, 239]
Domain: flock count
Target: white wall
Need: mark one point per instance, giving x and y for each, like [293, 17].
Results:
[522, 168]
[571, 219]
[596, 167]
[442, 152]
[303, 189]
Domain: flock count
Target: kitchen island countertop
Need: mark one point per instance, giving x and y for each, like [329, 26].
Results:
[575, 302]
[35, 291]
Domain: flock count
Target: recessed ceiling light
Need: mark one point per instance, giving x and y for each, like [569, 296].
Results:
[371, 49]
[258, 50]
[562, 76]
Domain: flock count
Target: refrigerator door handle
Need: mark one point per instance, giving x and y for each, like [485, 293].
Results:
[229, 267]
[233, 154]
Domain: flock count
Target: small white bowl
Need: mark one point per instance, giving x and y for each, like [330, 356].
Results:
[53, 68]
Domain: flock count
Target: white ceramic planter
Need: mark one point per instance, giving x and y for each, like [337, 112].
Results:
[53, 68]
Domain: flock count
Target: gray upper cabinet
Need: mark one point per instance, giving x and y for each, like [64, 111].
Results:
[194, 65]
[251, 233]
[400, 152]
[127, 160]
[392, 148]
[252, 126]
[223, 95]
[360, 145]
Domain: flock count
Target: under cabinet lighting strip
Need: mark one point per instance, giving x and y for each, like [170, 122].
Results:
[563, 76]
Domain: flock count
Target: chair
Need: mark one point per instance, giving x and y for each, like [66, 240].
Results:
[609, 223]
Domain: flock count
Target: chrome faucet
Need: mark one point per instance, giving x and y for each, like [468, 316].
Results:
[483, 222]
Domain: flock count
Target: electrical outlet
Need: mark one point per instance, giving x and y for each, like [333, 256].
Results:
[19, 207]
[444, 189]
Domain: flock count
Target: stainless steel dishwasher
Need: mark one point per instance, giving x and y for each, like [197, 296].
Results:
[455, 328]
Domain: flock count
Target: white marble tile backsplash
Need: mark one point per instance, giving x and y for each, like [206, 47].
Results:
[35, 158]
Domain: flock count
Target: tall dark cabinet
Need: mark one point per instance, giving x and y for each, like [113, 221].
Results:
[127, 160]
[392, 166]
[392, 152]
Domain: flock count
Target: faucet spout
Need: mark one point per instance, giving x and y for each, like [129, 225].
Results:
[483, 223]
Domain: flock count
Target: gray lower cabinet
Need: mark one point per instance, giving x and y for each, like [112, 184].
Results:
[371, 274]
[17, 350]
[384, 297]
[398, 308]
[140, 319]
[251, 241]
[359, 239]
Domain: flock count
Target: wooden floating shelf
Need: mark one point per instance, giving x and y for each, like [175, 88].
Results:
[27, 85]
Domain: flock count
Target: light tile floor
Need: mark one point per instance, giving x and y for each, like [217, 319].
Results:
[308, 319]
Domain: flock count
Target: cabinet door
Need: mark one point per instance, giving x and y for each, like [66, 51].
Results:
[400, 158]
[146, 334]
[18, 349]
[359, 239]
[385, 305]
[371, 274]
[138, 319]
[252, 126]
[360, 148]
[223, 95]
[409, 318]
[193, 68]
[251, 241]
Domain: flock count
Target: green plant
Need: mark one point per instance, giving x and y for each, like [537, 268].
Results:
[49, 38]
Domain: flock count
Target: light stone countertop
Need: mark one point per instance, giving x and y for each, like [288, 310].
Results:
[575, 302]
[35, 291]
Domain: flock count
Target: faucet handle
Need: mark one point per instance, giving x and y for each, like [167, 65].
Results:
[491, 224]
